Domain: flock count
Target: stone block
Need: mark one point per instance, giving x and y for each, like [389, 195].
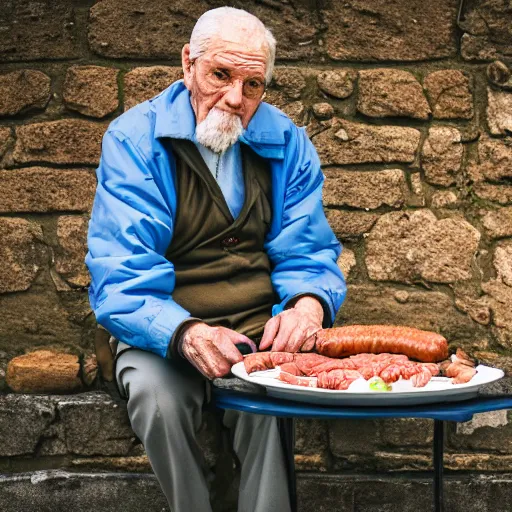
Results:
[23, 90]
[43, 318]
[499, 300]
[141, 84]
[159, 30]
[5, 139]
[70, 254]
[346, 142]
[290, 81]
[68, 141]
[91, 90]
[323, 110]
[498, 223]
[450, 94]
[406, 246]
[39, 189]
[391, 92]
[367, 190]
[444, 199]
[37, 30]
[89, 424]
[503, 262]
[311, 436]
[501, 194]
[486, 432]
[346, 261]
[348, 225]
[428, 310]
[499, 112]
[59, 490]
[372, 30]
[441, 157]
[44, 371]
[487, 31]
[21, 253]
[23, 420]
[338, 83]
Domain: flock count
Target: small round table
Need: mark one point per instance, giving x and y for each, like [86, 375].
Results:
[241, 396]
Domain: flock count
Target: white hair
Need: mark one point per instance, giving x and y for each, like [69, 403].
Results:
[211, 24]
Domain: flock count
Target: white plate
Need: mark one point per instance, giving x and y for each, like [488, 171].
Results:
[439, 389]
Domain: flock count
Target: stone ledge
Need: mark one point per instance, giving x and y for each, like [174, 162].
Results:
[59, 490]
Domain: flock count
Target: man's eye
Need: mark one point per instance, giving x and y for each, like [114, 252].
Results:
[255, 84]
[220, 75]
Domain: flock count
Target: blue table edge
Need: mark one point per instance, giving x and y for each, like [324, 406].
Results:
[459, 411]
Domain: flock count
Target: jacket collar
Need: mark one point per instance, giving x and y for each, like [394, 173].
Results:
[175, 118]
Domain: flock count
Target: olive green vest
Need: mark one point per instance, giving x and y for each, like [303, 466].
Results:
[222, 272]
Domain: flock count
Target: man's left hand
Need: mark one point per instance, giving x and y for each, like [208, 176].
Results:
[294, 329]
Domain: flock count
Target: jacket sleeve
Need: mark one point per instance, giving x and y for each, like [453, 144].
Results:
[129, 232]
[305, 251]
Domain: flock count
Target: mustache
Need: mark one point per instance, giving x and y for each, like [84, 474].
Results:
[219, 130]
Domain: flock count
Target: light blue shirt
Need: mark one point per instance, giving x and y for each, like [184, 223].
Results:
[226, 168]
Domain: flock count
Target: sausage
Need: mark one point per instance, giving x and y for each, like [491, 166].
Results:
[425, 346]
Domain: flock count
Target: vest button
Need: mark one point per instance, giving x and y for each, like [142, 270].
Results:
[230, 241]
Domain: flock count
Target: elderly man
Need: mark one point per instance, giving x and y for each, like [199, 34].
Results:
[207, 235]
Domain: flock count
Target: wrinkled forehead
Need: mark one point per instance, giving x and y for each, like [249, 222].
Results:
[243, 38]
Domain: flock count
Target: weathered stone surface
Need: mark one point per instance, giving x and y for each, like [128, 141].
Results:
[69, 256]
[348, 225]
[493, 165]
[338, 83]
[428, 310]
[36, 30]
[23, 420]
[444, 199]
[141, 84]
[20, 253]
[391, 92]
[491, 431]
[89, 424]
[441, 157]
[42, 318]
[346, 261]
[503, 262]
[134, 464]
[295, 111]
[89, 370]
[311, 437]
[39, 189]
[499, 112]
[498, 223]
[68, 141]
[323, 110]
[23, 90]
[91, 90]
[405, 246]
[364, 189]
[375, 31]
[498, 73]
[450, 94]
[289, 80]
[5, 139]
[417, 197]
[366, 437]
[500, 303]
[59, 490]
[487, 26]
[160, 29]
[350, 143]
[44, 371]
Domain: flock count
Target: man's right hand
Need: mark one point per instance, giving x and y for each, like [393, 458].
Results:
[212, 350]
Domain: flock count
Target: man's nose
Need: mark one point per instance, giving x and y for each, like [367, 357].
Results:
[234, 96]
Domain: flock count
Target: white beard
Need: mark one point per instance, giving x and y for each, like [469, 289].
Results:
[219, 130]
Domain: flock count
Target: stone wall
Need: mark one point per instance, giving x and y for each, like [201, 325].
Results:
[411, 112]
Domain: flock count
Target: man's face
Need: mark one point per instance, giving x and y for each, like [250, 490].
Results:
[230, 76]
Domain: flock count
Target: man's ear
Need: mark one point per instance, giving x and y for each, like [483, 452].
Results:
[187, 66]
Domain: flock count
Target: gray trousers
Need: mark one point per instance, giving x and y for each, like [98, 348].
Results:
[165, 403]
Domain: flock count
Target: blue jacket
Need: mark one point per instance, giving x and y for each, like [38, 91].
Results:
[131, 223]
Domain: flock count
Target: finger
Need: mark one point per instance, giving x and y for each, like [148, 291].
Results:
[295, 340]
[236, 338]
[227, 349]
[271, 329]
[194, 357]
[286, 328]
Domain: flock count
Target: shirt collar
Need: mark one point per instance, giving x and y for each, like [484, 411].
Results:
[266, 133]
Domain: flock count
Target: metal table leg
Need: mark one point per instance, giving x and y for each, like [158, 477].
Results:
[438, 465]
[287, 433]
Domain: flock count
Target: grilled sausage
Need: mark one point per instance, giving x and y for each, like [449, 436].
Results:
[424, 346]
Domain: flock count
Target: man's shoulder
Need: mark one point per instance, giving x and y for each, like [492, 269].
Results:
[135, 123]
